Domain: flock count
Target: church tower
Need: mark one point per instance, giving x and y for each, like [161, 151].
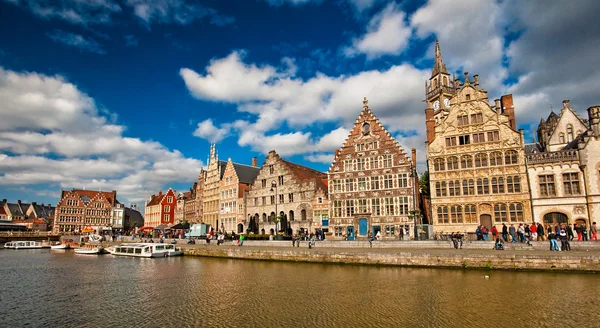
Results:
[438, 92]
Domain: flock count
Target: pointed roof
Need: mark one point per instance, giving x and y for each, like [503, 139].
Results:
[245, 173]
[438, 64]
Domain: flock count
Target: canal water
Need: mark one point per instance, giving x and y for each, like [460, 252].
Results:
[43, 288]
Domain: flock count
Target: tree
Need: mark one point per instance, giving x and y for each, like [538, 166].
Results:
[424, 184]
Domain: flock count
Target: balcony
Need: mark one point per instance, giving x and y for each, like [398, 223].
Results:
[553, 157]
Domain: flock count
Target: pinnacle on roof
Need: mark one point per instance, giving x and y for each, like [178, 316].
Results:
[438, 64]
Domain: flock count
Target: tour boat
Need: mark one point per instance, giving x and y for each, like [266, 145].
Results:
[25, 245]
[90, 250]
[61, 246]
[146, 250]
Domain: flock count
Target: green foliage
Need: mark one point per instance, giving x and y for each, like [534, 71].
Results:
[465, 264]
[424, 184]
[489, 265]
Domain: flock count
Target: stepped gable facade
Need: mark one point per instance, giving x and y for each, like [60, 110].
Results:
[284, 188]
[564, 168]
[160, 210]
[370, 185]
[211, 198]
[235, 184]
[199, 200]
[475, 155]
[77, 209]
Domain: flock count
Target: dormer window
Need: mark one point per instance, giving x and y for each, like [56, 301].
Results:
[561, 138]
[569, 133]
[468, 96]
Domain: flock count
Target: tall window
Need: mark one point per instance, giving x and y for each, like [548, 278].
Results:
[496, 158]
[493, 136]
[387, 160]
[272, 200]
[516, 212]
[280, 178]
[478, 137]
[167, 208]
[481, 160]
[466, 162]
[497, 185]
[571, 183]
[403, 205]
[569, 133]
[375, 206]
[169, 199]
[349, 207]
[439, 164]
[271, 169]
[500, 213]
[470, 214]
[362, 205]
[337, 208]
[374, 183]
[547, 185]
[561, 138]
[452, 163]
[388, 181]
[374, 163]
[349, 185]
[348, 165]
[402, 180]
[442, 214]
[462, 120]
[468, 187]
[360, 147]
[483, 186]
[388, 206]
[464, 140]
[513, 184]
[337, 185]
[281, 198]
[362, 184]
[476, 118]
[511, 157]
[456, 214]
[264, 183]
[360, 164]
[454, 188]
[167, 217]
[451, 142]
[440, 189]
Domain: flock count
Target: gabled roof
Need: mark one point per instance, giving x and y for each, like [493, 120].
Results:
[87, 195]
[155, 199]
[17, 209]
[43, 210]
[533, 148]
[222, 166]
[245, 173]
[2, 211]
[303, 173]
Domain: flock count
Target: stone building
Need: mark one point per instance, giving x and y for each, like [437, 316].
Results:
[236, 182]
[563, 168]
[475, 155]
[370, 184]
[320, 204]
[199, 200]
[160, 210]
[211, 196]
[77, 209]
[284, 188]
[189, 207]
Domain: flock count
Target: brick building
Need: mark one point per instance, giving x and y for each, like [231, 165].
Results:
[211, 196]
[284, 188]
[160, 210]
[236, 182]
[77, 209]
[370, 185]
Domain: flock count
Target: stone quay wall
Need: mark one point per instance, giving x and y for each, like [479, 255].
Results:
[576, 261]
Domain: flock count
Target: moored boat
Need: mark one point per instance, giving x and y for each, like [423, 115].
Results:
[60, 246]
[146, 250]
[90, 250]
[25, 244]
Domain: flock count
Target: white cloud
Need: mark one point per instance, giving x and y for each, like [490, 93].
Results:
[80, 12]
[333, 140]
[206, 130]
[76, 40]
[51, 132]
[387, 34]
[175, 11]
[320, 158]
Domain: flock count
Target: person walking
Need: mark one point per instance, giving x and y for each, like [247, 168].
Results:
[578, 231]
[521, 233]
[478, 233]
[533, 230]
[541, 232]
[293, 240]
[584, 232]
[594, 232]
[553, 242]
[370, 237]
[513, 233]
[485, 232]
[494, 232]
[564, 241]
[569, 232]
[505, 232]
[241, 242]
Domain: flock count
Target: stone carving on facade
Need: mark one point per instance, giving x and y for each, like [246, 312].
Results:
[579, 209]
[485, 208]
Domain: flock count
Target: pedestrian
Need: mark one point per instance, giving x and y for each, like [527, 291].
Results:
[578, 231]
[241, 242]
[478, 233]
[494, 232]
[541, 232]
[553, 242]
[293, 240]
[370, 237]
[505, 232]
[378, 236]
[594, 232]
[533, 231]
[454, 238]
[484, 232]
[564, 241]
[569, 232]
[513, 233]
[584, 232]
[521, 233]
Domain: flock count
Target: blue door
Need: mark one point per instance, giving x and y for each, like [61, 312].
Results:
[350, 232]
[363, 227]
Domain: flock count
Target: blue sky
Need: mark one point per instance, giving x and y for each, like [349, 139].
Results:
[128, 95]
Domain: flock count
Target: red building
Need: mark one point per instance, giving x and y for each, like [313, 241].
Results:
[160, 210]
[77, 209]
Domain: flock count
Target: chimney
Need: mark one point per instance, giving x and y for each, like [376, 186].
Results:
[476, 81]
[254, 162]
[430, 124]
[497, 106]
[414, 156]
[160, 192]
[508, 109]
[19, 202]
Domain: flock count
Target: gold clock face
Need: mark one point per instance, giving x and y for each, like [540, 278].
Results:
[436, 105]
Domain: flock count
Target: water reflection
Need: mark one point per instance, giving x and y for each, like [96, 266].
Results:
[43, 288]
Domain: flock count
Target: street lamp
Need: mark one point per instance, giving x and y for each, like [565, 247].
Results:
[274, 187]
[413, 174]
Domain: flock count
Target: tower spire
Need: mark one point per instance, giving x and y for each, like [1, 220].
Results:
[438, 64]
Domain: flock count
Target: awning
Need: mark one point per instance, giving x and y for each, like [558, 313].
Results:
[180, 226]
[162, 227]
[146, 228]
[88, 229]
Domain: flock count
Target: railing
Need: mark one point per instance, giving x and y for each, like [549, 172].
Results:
[555, 156]
[27, 234]
[443, 88]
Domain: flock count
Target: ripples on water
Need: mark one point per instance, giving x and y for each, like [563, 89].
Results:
[40, 288]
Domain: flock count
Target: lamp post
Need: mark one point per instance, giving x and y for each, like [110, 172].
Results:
[274, 187]
[413, 173]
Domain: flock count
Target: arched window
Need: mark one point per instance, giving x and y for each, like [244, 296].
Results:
[466, 162]
[496, 158]
[569, 133]
[555, 217]
[483, 186]
[439, 164]
[454, 188]
[481, 160]
[291, 216]
[452, 163]
[264, 217]
[445, 81]
[497, 185]
[303, 215]
[468, 187]
[561, 138]
[510, 157]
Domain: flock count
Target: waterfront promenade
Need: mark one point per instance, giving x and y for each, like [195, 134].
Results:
[585, 256]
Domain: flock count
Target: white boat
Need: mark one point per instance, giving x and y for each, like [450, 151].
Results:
[146, 250]
[60, 246]
[93, 250]
[25, 245]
